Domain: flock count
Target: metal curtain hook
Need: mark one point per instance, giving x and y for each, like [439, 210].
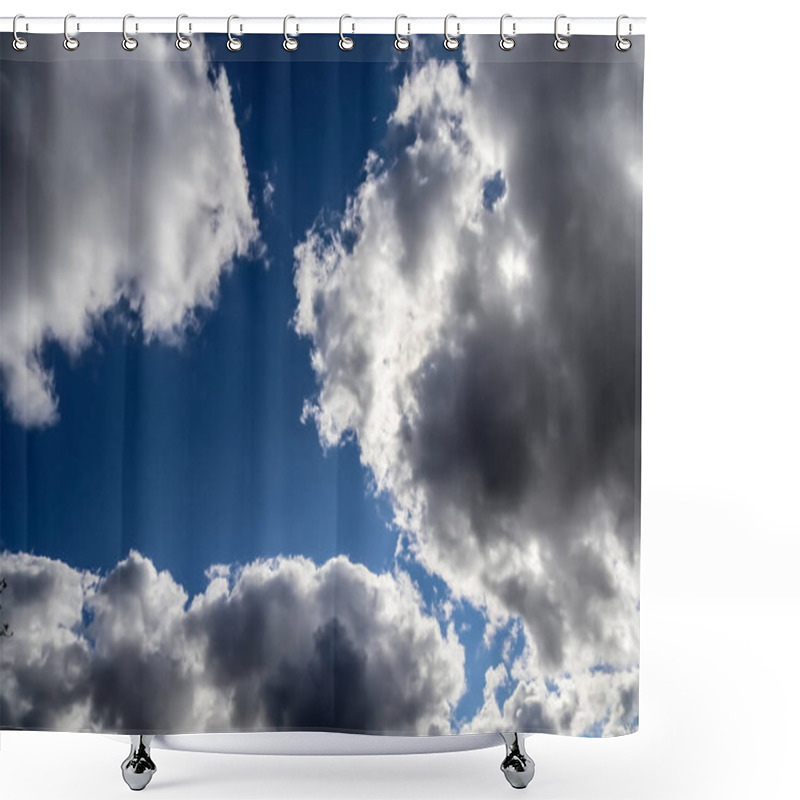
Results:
[507, 42]
[128, 42]
[289, 43]
[560, 42]
[70, 42]
[450, 42]
[233, 44]
[345, 42]
[401, 42]
[19, 44]
[181, 42]
[622, 44]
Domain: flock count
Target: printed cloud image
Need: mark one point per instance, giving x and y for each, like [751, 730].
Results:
[320, 408]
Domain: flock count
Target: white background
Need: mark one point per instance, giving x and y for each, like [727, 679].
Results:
[720, 609]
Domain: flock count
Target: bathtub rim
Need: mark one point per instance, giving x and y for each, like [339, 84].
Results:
[321, 743]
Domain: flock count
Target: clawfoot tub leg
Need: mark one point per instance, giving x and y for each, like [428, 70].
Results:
[517, 766]
[138, 768]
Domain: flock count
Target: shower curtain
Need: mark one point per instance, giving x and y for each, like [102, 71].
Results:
[320, 384]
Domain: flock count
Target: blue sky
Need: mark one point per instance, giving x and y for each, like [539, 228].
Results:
[443, 378]
[197, 455]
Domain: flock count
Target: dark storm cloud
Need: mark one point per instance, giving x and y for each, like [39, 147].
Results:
[485, 354]
[332, 648]
[341, 689]
[282, 645]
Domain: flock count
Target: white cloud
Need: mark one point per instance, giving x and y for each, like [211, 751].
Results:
[589, 703]
[483, 350]
[123, 187]
[268, 191]
[279, 643]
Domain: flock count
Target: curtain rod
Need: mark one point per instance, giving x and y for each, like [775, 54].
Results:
[300, 25]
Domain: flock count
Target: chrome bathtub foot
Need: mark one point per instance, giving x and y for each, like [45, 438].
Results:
[517, 766]
[138, 768]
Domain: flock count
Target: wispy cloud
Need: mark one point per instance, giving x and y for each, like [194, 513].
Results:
[267, 192]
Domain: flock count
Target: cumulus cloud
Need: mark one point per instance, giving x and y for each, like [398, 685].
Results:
[124, 189]
[597, 702]
[474, 326]
[275, 644]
